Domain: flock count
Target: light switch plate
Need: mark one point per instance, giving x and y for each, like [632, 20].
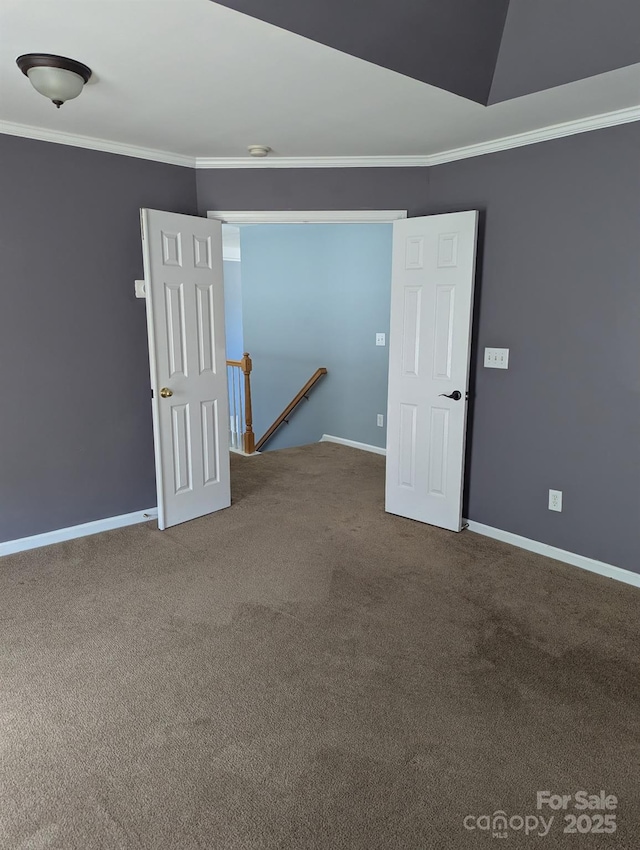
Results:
[381, 339]
[141, 291]
[496, 358]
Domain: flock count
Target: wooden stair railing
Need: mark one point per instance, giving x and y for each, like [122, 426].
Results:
[241, 418]
[313, 380]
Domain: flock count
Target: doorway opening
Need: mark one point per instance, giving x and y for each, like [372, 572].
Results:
[303, 299]
[296, 303]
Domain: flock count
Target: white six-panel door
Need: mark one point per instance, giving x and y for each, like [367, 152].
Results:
[185, 321]
[429, 344]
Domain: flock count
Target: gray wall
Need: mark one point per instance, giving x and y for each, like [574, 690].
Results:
[560, 287]
[75, 427]
[313, 189]
[316, 295]
[558, 283]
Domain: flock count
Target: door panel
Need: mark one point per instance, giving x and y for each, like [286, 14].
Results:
[185, 321]
[176, 331]
[429, 347]
[211, 446]
[206, 328]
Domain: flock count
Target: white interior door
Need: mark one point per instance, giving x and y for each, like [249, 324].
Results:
[429, 346]
[185, 321]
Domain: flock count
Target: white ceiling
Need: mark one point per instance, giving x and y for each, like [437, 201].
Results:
[197, 79]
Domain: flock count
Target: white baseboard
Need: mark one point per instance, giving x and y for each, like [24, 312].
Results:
[581, 561]
[327, 438]
[84, 530]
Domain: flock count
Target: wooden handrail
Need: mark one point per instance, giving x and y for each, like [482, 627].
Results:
[313, 380]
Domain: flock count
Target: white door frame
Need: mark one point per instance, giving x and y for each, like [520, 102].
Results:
[231, 240]
[236, 217]
[307, 216]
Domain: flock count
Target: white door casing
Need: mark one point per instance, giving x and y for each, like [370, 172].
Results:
[185, 322]
[433, 274]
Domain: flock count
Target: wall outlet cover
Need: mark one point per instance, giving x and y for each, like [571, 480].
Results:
[381, 339]
[380, 420]
[555, 500]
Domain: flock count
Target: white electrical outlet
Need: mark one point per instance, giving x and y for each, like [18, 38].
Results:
[381, 339]
[380, 420]
[555, 500]
[496, 358]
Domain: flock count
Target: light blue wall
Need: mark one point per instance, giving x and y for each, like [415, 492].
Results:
[315, 295]
[233, 310]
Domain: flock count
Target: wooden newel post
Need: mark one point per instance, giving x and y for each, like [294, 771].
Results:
[249, 436]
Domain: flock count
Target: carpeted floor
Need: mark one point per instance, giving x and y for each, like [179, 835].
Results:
[303, 671]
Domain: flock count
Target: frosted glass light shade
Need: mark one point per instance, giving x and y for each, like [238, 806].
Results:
[56, 77]
[57, 84]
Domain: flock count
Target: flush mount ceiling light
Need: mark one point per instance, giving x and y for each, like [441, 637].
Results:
[56, 77]
[259, 150]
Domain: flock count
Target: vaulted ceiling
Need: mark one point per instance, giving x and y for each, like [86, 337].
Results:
[451, 44]
[484, 50]
[334, 80]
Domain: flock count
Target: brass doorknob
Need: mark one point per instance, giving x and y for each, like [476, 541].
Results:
[165, 392]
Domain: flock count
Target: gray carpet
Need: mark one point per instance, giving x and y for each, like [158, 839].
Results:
[303, 671]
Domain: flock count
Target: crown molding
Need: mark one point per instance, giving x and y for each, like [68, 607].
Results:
[532, 137]
[209, 162]
[91, 143]
[544, 134]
